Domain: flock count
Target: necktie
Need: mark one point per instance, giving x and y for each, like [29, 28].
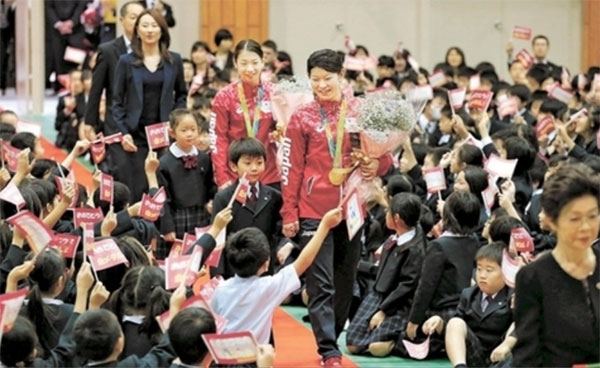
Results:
[485, 302]
[253, 197]
[190, 161]
[389, 243]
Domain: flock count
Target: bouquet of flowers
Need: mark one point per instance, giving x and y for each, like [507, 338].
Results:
[287, 96]
[384, 121]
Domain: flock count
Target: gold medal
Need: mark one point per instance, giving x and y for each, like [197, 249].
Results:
[337, 176]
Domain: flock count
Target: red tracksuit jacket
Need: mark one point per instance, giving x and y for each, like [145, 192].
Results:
[305, 186]
[227, 125]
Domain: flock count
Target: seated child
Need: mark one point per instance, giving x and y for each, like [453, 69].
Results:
[474, 337]
[382, 315]
[247, 300]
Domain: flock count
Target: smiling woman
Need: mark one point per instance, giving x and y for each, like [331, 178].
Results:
[240, 110]
[149, 84]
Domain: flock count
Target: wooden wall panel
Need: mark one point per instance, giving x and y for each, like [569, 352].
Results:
[591, 34]
[244, 18]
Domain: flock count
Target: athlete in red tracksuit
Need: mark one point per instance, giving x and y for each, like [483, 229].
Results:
[308, 195]
[227, 124]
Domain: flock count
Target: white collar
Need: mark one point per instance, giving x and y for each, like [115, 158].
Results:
[406, 237]
[49, 301]
[177, 152]
[137, 320]
[450, 234]
[127, 43]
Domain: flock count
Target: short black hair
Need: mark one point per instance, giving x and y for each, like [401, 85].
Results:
[569, 182]
[437, 154]
[387, 61]
[96, 333]
[42, 167]
[270, 44]
[477, 178]
[554, 107]
[326, 59]
[248, 45]
[400, 183]
[246, 251]
[492, 252]
[521, 91]
[45, 191]
[490, 76]
[539, 72]
[427, 219]
[485, 66]
[465, 71]
[408, 207]
[246, 146]
[519, 148]
[185, 333]
[538, 37]
[222, 34]
[501, 227]
[24, 140]
[176, 115]
[121, 197]
[18, 344]
[461, 213]
[470, 155]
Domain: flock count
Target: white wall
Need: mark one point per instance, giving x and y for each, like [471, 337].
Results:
[427, 27]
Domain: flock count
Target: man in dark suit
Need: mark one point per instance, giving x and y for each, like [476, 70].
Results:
[102, 82]
[7, 34]
[162, 7]
[63, 28]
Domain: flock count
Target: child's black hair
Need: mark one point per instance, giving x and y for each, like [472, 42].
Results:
[121, 198]
[246, 147]
[185, 333]
[400, 183]
[556, 108]
[386, 61]
[408, 207]
[519, 148]
[492, 252]
[437, 154]
[42, 167]
[24, 140]
[420, 150]
[176, 115]
[45, 191]
[521, 92]
[326, 59]
[485, 66]
[246, 251]
[427, 219]
[539, 72]
[221, 35]
[470, 155]
[501, 227]
[96, 333]
[489, 76]
[461, 213]
[477, 178]
[18, 344]
[49, 268]
[247, 45]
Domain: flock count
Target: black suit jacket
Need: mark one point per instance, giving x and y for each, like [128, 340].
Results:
[128, 91]
[103, 81]
[398, 274]
[447, 269]
[62, 10]
[489, 326]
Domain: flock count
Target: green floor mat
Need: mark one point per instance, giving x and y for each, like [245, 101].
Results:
[369, 361]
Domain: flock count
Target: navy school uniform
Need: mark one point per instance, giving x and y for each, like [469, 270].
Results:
[392, 292]
[189, 187]
[485, 329]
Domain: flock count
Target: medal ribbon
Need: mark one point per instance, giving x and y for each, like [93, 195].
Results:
[251, 128]
[335, 146]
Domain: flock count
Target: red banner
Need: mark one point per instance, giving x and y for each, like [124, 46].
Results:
[87, 215]
[65, 244]
[480, 100]
[106, 254]
[157, 135]
[107, 188]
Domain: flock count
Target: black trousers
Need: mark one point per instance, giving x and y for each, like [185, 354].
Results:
[329, 283]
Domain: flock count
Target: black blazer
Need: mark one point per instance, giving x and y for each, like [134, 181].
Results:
[398, 274]
[103, 80]
[447, 269]
[128, 91]
[489, 326]
[557, 320]
[62, 10]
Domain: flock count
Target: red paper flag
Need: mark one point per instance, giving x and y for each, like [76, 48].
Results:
[182, 268]
[60, 185]
[113, 138]
[10, 154]
[150, 209]
[35, 231]
[11, 306]
[188, 243]
[235, 348]
[74, 55]
[106, 254]
[214, 257]
[160, 196]
[88, 238]
[157, 135]
[480, 100]
[509, 106]
[497, 166]
[521, 33]
[525, 58]
[107, 184]
[520, 240]
[561, 94]
[435, 179]
[66, 244]
[87, 215]
[420, 93]
[545, 126]
[208, 290]
[474, 82]
[510, 268]
[457, 97]
[437, 79]
[12, 194]
[98, 149]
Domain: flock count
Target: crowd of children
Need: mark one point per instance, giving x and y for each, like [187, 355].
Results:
[428, 269]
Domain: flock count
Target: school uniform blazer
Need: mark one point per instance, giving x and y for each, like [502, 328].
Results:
[265, 215]
[447, 269]
[399, 271]
[128, 91]
[103, 81]
[489, 326]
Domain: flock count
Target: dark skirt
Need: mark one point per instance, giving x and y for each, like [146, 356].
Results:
[360, 335]
[187, 219]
